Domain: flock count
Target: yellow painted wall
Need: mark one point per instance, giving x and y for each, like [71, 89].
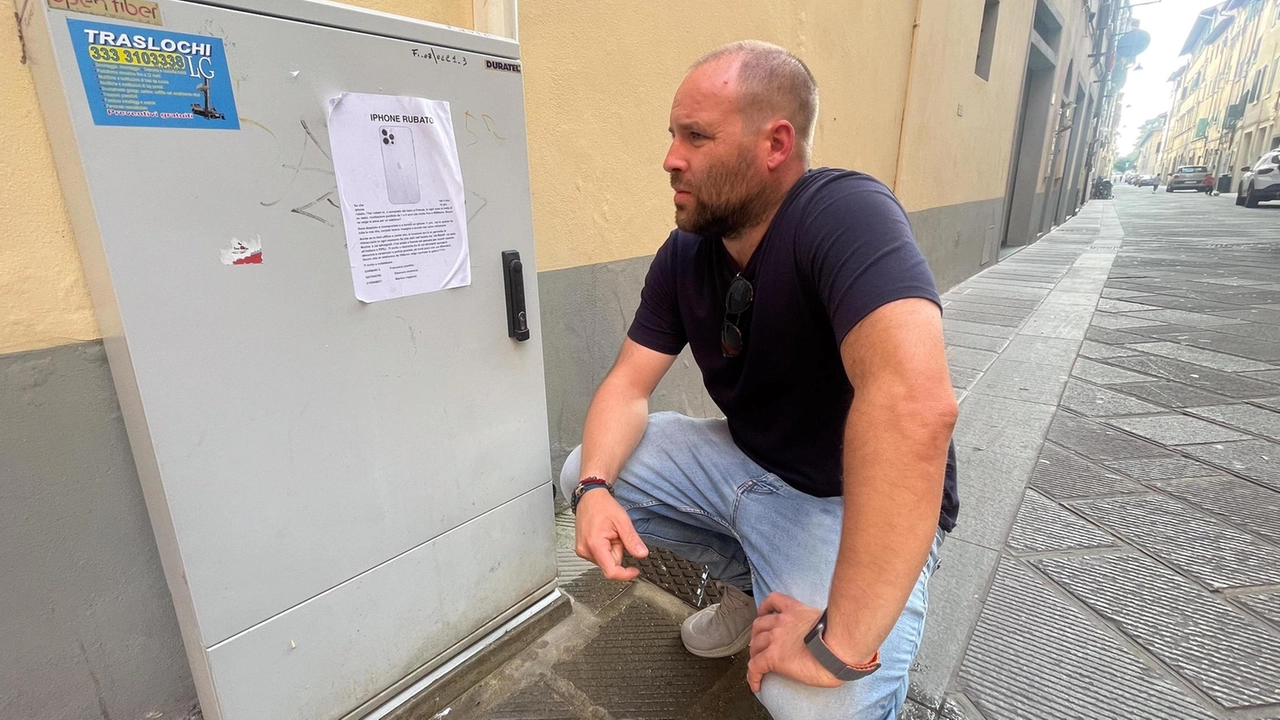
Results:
[43, 298]
[599, 78]
[941, 145]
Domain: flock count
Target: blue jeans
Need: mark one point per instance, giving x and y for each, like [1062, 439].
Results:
[688, 487]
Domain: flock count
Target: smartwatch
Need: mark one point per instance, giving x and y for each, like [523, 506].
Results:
[828, 659]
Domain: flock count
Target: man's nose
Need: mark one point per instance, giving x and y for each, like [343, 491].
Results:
[674, 162]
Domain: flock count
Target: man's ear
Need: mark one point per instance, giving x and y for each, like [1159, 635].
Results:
[782, 143]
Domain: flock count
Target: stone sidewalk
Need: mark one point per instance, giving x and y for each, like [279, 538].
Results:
[1118, 554]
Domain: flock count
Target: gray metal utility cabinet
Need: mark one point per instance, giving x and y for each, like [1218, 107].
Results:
[345, 495]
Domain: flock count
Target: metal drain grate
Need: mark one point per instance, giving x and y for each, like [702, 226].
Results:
[691, 582]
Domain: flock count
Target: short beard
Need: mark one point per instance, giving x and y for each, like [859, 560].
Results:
[728, 201]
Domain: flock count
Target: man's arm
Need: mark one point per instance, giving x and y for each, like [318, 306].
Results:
[895, 453]
[616, 421]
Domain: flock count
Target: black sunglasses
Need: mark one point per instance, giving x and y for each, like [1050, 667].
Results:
[736, 303]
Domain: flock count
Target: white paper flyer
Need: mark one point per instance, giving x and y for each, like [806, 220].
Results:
[401, 191]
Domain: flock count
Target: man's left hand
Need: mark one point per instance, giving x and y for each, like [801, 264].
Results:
[777, 644]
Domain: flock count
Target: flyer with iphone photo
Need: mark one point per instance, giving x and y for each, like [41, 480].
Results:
[401, 192]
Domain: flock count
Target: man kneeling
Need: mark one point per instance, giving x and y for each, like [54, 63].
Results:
[824, 495]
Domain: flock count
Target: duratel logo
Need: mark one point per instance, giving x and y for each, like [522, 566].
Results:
[500, 65]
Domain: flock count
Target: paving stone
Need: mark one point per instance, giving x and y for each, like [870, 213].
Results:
[636, 667]
[1093, 401]
[1176, 429]
[991, 485]
[970, 358]
[1262, 350]
[1013, 427]
[979, 342]
[1169, 468]
[1099, 351]
[1182, 317]
[956, 595]
[1120, 306]
[974, 328]
[1117, 293]
[539, 701]
[981, 317]
[1271, 376]
[1055, 352]
[1067, 323]
[1061, 474]
[1266, 604]
[1188, 303]
[1103, 374]
[1117, 322]
[963, 378]
[912, 710]
[1033, 656]
[1222, 383]
[1254, 314]
[1164, 331]
[1271, 403]
[988, 297]
[1022, 381]
[1043, 525]
[1239, 502]
[1170, 394]
[1206, 640]
[1211, 552]
[1111, 337]
[1249, 418]
[1257, 460]
[970, 305]
[1257, 331]
[1098, 442]
[1200, 356]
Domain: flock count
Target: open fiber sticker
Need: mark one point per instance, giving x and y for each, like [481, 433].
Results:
[153, 78]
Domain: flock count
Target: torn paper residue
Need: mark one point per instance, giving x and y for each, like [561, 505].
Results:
[243, 252]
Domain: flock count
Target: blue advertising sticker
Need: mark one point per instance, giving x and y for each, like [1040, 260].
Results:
[143, 77]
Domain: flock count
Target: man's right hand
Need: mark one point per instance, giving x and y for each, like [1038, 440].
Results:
[602, 531]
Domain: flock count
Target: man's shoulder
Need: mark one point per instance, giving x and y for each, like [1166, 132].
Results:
[827, 184]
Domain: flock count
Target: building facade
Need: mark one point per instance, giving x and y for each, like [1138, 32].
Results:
[984, 118]
[1221, 94]
[1146, 158]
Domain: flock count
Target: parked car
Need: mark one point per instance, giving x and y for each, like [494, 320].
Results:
[1189, 177]
[1148, 181]
[1261, 181]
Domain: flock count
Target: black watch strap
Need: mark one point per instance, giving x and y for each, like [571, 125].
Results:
[828, 659]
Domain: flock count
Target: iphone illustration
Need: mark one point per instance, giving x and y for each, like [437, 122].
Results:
[400, 165]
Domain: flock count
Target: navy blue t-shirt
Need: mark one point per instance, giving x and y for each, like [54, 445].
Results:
[839, 247]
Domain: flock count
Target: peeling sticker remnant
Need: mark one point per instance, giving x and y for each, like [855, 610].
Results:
[243, 252]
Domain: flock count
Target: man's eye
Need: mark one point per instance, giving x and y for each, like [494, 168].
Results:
[696, 136]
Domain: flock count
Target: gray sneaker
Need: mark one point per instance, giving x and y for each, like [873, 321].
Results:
[722, 629]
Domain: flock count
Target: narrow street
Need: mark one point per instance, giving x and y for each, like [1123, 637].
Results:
[1141, 578]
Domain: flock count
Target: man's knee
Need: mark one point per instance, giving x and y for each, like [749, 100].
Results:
[569, 473]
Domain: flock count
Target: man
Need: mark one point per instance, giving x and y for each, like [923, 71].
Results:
[816, 325]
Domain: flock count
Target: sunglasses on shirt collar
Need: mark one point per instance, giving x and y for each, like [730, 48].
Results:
[736, 303]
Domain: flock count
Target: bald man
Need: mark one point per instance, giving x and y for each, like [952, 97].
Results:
[823, 496]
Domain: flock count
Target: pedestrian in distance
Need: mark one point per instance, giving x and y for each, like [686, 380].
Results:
[823, 496]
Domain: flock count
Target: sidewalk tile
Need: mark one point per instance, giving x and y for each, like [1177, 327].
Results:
[1093, 401]
[1010, 427]
[1098, 442]
[1033, 656]
[1052, 351]
[1176, 430]
[1207, 378]
[1216, 555]
[970, 358]
[1266, 604]
[977, 342]
[1022, 381]
[1103, 374]
[1261, 350]
[1206, 640]
[1043, 525]
[1099, 351]
[1060, 474]
[973, 328]
[1255, 459]
[1200, 356]
[1169, 468]
[1238, 502]
[1249, 418]
[1169, 393]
